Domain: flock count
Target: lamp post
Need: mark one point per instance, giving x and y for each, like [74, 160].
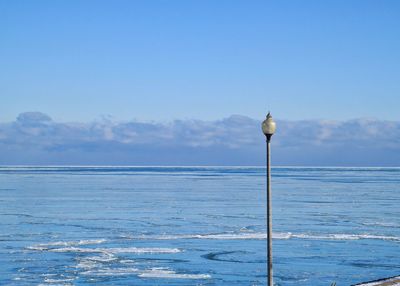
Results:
[268, 128]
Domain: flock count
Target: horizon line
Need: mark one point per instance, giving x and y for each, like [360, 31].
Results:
[196, 166]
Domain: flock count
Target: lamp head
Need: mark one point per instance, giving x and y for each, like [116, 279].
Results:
[268, 126]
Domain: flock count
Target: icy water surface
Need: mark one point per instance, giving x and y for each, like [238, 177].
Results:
[196, 226]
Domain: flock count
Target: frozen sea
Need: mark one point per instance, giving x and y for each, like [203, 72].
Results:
[197, 225]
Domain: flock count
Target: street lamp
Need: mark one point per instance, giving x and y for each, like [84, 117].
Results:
[268, 128]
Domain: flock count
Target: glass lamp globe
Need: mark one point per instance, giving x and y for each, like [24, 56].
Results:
[268, 126]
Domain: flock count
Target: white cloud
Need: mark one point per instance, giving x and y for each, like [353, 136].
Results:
[233, 140]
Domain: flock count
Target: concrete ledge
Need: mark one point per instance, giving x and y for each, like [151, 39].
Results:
[391, 281]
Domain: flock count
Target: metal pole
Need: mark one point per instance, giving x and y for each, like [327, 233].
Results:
[269, 214]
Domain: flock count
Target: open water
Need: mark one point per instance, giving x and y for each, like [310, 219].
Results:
[196, 225]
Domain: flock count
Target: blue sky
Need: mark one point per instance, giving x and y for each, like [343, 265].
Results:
[166, 60]
[188, 82]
